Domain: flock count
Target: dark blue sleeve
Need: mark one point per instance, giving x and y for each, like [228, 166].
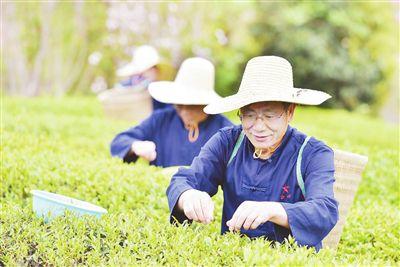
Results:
[205, 173]
[121, 144]
[311, 220]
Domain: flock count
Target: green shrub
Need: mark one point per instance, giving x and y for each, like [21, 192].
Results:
[345, 49]
[61, 145]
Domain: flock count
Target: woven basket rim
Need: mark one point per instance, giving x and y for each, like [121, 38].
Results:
[357, 159]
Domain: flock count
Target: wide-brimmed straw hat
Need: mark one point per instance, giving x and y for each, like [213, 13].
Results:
[193, 85]
[267, 78]
[144, 57]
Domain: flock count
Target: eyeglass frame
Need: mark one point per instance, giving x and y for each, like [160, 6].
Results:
[265, 121]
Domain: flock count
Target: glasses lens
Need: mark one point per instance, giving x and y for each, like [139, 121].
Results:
[248, 119]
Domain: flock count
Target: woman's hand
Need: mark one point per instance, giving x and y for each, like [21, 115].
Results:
[144, 149]
[197, 205]
[251, 214]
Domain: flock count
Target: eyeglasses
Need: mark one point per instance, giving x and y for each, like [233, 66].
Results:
[249, 118]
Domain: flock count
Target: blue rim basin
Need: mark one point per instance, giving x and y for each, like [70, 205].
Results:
[50, 205]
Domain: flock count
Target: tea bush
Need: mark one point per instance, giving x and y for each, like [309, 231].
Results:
[61, 145]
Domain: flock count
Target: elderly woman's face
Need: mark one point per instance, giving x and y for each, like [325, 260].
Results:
[265, 123]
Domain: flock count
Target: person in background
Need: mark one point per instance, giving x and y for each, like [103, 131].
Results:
[174, 136]
[276, 180]
[141, 71]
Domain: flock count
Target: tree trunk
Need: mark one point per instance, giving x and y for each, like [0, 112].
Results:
[34, 86]
[14, 62]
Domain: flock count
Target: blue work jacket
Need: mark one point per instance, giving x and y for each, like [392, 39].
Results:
[166, 129]
[245, 178]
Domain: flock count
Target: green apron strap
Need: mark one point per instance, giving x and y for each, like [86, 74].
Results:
[236, 148]
[300, 179]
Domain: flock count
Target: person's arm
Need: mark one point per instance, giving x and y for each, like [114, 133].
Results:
[121, 145]
[311, 220]
[308, 221]
[190, 188]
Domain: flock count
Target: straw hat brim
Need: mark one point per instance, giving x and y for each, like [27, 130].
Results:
[134, 68]
[174, 93]
[244, 98]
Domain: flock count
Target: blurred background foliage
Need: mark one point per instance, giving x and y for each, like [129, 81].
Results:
[348, 49]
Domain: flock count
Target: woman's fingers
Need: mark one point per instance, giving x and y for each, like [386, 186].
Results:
[249, 215]
[238, 218]
[244, 216]
[145, 149]
[149, 155]
[153, 155]
[188, 209]
[249, 221]
[256, 222]
[151, 145]
[211, 208]
[198, 209]
[207, 207]
[198, 206]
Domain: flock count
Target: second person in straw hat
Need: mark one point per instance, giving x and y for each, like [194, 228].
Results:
[174, 136]
[141, 71]
[276, 180]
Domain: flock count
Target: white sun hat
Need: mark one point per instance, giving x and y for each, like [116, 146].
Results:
[267, 78]
[144, 57]
[193, 85]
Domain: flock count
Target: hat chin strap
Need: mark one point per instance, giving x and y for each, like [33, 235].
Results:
[260, 153]
[257, 153]
[194, 132]
[192, 124]
[193, 127]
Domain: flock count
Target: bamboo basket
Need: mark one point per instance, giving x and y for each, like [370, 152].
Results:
[126, 104]
[348, 171]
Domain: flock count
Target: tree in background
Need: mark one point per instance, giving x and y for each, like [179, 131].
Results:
[345, 49]
[46, 45]
[216, 31]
